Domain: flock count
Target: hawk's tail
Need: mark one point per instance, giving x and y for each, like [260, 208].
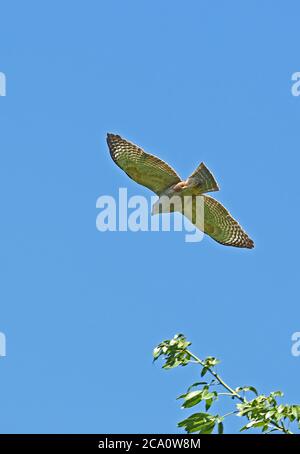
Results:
[203, 179]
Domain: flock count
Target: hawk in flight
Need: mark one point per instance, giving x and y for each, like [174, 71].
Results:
[157, 175]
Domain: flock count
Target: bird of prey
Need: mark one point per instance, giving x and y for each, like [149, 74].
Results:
[157, 175]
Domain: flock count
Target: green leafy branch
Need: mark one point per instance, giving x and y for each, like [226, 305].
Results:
[262, 411]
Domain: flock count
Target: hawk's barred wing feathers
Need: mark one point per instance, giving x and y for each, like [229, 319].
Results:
[222, 227]
[142, 167]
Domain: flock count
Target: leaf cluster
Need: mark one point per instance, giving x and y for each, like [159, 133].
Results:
[262, 412]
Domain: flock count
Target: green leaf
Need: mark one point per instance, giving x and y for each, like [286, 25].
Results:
[269, 414]
[192, 398]
[249, 425]
[208, 404]
[247, 388]
[198, 383]
[296, 411]
[156, 353]
[208, 396]
[211, 361]
[220, 428]
[199, 422]
[172, 364]
[203, 372]
[277, 394]
[207, 428]
[259, 423]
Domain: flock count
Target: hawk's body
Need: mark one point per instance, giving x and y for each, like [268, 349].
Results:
[155, 174]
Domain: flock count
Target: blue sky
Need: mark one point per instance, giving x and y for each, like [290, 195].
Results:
[82, 310]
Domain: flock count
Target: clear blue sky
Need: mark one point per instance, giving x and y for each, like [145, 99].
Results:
[82, 310]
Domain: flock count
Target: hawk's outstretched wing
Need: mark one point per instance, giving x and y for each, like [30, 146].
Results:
[142, 167]
[222, 227]
[217, 223]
